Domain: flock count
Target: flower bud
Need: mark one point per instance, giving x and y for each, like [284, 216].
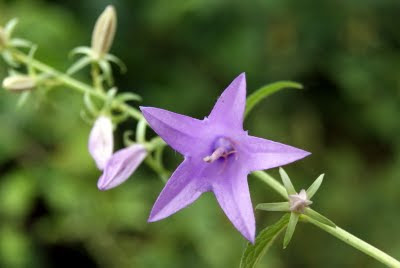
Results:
[299, 202]
[104, 31]
[101, 141]
[19, 83]
[121, 166]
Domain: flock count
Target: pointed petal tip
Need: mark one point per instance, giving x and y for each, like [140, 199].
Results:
[252, 239]
[154, 217]
[241, 78]
[144, 108]
[248, 231]
[101, 186]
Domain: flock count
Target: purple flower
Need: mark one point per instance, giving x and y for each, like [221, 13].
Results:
[101, 141]
[219, 155]
[121, 166]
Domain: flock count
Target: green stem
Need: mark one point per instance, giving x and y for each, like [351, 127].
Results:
[96, 77]
[335, 231]
[356, 243]
[274, 184]
[73, 83]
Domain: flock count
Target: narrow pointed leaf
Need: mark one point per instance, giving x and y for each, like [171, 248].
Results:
[318, 217]
[281, 206]
[128, 96]
[287, 182]
[80, 64]
[294, 218]
[267, 90]
[254, 252]
[116, 60]
[81, 50]
[315, 186]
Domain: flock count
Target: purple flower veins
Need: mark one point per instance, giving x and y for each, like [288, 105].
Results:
[219, 155]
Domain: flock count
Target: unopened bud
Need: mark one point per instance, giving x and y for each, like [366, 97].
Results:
[299, 202]
[104, 31]
[19, 83]
[101, 141]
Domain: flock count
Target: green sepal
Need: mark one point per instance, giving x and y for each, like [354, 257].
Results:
[279, 206]
[10, 26]
[117, 61]
[107, 72]
[318, 217]
[267, 90]
[254, 252]
[23, 99]
[128, 96]
[315, 186]
[80, 64]
[287, 182]
[294, 218]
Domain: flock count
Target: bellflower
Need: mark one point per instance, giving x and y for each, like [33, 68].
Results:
[101, 141]
[219, 155]
[121, 166]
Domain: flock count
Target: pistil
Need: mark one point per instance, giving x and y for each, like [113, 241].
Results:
[223, 148]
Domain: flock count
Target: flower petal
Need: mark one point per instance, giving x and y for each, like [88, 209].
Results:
[181, 190]
[229, 109]
[232, 193]
[184, 134]
[101, 141]
[265, 154]
[121, 166]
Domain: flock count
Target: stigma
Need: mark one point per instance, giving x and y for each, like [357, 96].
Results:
[223, 147]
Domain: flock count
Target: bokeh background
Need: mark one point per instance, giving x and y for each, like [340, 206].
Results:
[180, 56]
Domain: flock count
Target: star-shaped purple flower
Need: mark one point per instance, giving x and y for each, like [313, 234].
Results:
[219, 155]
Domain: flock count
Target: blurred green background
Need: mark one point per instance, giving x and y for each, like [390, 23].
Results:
[180, 56]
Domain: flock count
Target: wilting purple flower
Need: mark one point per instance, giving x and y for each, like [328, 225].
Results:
[121, 166]
[101, 141]
[219, 155]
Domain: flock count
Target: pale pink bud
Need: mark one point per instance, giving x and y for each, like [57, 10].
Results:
[121, 166]
[101, 141]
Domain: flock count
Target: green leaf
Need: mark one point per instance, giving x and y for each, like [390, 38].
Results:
[294, 218]
[318, 217]
[287, 182]
[315, 186]
[267, 90]
[280, 206]
[253, 253]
